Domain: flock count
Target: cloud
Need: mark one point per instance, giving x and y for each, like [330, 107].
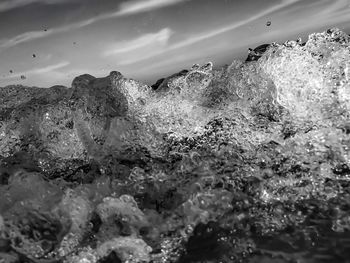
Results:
[12, 4]
[338, 12]
[329, 12]
[335, 7]
[159, 39]
[235, 25]
[314, 16]
[38, 71]
[22, 38]
[45, 76]
[137, 6]
[332, 13]
[34, 35]
[211, 34]
[127, 8]
[318, 10]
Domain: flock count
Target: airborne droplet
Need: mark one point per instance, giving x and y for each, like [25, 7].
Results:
[268, 23]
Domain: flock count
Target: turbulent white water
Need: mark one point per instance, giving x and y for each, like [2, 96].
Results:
[251, 160]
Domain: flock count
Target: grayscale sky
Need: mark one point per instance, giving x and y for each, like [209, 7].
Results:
[52, 41]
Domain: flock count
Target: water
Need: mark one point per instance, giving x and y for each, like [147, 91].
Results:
[249, 163]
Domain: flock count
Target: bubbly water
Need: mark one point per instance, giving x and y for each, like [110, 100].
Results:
[248, 163]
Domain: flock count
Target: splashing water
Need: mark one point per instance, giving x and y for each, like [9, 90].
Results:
[250, 162]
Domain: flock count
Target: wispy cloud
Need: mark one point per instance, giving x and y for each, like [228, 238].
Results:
[211, 34]
[334, 7]
[337, 12]
[324, 13]
[22, 38]
[331, 13]
[160, 38]
[235, 25]
[137, 6]
[6, 5]
[312, 16]
[37, 71]
[127, 8]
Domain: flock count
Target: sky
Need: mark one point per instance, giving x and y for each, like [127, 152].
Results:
[49, 42]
